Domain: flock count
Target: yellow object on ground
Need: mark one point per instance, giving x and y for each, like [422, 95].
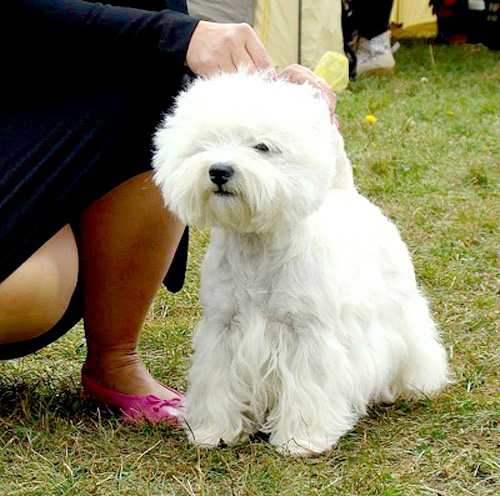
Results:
[334, 68]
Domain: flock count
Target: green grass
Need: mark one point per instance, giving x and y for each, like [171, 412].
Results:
[432, 162]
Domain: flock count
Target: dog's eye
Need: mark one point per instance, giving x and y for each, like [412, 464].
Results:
[262, 147]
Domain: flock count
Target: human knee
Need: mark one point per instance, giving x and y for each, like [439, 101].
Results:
[34, 298]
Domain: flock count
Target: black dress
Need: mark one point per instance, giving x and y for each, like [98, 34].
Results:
[84, 85]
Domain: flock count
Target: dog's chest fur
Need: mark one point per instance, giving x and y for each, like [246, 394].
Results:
[252, 274]
[309, 275]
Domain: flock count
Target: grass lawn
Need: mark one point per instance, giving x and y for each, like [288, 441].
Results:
[431, 161]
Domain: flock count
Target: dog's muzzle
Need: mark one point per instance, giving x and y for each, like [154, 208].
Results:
[220, 174]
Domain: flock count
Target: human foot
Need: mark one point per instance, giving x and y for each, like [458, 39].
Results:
[124, 373]
[139, 408]
[124, 382]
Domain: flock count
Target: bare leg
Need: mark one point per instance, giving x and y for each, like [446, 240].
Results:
[128, 240]
[36, 295]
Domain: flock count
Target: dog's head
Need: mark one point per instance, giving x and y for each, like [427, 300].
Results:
[243, 152]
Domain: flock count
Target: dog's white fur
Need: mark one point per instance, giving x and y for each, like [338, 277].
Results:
[311, 308]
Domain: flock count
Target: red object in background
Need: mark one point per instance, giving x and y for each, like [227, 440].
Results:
[457, 23]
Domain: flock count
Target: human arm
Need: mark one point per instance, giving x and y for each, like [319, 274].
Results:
[77, 33]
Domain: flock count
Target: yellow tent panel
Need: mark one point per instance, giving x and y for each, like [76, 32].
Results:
[412, 12]
[299, 30]
[413, 18]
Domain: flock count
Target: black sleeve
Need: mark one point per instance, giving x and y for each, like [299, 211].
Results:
[79, 36]
[154, 5]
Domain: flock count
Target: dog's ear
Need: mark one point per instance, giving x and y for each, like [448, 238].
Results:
[343, 178]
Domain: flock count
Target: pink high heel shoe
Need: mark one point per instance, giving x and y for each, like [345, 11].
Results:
[138, 409]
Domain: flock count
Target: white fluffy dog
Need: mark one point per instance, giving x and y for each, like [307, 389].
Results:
[311, 309]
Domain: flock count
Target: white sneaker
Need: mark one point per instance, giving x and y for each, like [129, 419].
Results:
[375, 55]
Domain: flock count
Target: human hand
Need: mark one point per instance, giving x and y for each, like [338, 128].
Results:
[218, 47]
[299, 74]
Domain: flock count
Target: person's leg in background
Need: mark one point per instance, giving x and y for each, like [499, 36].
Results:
[372, 21]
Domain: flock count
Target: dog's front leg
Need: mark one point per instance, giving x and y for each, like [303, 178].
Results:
[215, 397]
[313, 408]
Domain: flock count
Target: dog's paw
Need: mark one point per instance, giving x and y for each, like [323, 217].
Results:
[205, 442]
[203, 438]
[209, 439]
[425, 372]
[235, 440]
[298, 448]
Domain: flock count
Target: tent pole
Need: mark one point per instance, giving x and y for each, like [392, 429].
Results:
[299, 37]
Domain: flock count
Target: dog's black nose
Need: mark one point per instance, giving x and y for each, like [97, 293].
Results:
[220, 173]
